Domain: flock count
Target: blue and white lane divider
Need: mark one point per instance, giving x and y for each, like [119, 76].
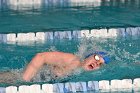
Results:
[103, 85]
[24, 4]
[94, 3]
[42, 36]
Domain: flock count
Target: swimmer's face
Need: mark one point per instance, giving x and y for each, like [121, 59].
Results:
[93, 62]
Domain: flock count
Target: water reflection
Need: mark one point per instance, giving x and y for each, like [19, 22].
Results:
[44, 15]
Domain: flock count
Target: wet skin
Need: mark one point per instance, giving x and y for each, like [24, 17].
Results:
[62, 63]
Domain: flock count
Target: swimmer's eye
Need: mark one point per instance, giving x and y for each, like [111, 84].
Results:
[96, 57]
[100, 64]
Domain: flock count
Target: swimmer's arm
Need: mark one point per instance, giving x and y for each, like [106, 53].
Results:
[51, 58]
[33, 67]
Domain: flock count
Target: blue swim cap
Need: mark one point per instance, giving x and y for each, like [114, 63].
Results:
[103, 54]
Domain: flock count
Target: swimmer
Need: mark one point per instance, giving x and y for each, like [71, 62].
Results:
[64, 63]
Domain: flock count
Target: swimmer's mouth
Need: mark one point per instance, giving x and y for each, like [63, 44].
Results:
[92, 66]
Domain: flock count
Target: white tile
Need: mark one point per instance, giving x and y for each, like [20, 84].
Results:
[30, 2]
[21, 37]
[31, 36]
[97, 3]
[112, 33]
[116, 84]
[47, 88]
[99, 32]
[24, 89]
[11, 89]
[22, 2]
[35, 88]
[11, 37]
[136, 83]
[40, 36]
[38, 2]
[13, 2]
[104, 84]
[126, 84]
[103, 33]
[26, 2]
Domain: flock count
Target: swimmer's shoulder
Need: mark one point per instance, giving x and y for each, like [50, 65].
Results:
[60, 54]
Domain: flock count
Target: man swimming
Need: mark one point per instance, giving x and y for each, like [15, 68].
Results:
[64, 63]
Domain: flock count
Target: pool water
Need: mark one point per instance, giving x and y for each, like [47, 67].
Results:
[69, 17]
[123, 51]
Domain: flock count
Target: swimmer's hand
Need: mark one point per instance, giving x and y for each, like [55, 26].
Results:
[33, 67]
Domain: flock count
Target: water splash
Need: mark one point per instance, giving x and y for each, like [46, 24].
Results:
[87, 46]
[125, 61]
